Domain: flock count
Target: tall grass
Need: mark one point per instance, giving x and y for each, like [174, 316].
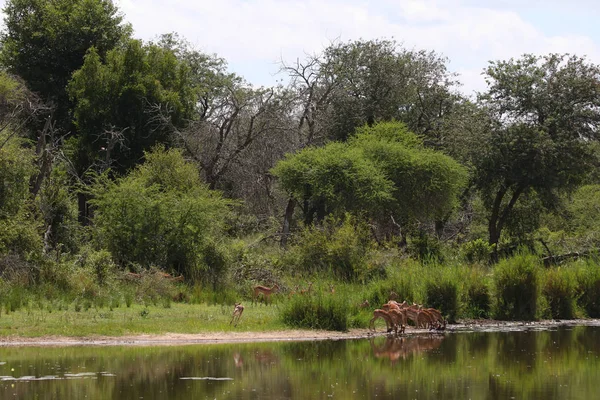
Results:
[559, 288]
[588, 287]
[476, 298]
[441, 290]
[319, 311]
[517, 286]
[402, 279]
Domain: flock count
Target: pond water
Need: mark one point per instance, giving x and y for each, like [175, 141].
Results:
[562, 363]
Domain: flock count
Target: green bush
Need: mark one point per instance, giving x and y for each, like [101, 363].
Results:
[476, 293]
[316, 312]
[516, 285]
[20, 235]
[58, 209]
[588, 288]
[559, 288]
[477, 251]
[425, 247]
[441, 292]
[160, 214]
[339, 247]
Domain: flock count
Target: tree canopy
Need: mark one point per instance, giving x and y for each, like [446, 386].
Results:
[45, 41]
[114, 102]
[545, 112]
[384, 170]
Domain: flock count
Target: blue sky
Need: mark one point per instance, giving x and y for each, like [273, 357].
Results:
[254, 35]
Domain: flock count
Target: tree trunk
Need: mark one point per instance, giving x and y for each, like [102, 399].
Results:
[499, 216]
[82, 205]
[287, 220]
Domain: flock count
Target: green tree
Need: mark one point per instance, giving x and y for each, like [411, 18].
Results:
[383, 171]
[18, 227]
[426, 183]
[334, 179]
[364, 82]
[546, 115]
[161, 215]
[114, 99]
[45, 41]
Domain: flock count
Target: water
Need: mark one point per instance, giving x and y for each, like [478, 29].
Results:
[563, 363]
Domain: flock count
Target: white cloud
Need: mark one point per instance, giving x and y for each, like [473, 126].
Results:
[253, 35]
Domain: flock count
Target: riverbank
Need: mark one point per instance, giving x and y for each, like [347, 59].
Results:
[178, 339]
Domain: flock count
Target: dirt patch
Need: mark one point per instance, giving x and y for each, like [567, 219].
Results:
[178, 339]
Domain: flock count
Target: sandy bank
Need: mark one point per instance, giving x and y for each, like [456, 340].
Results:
[177, 339]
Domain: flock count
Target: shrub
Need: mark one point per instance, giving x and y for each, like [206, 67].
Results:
[516, 283]
[476, 293]
[559, 288]
[477, 251]
[588, 288]
[19, 235]
[16, 271]
[316, 312]
[441, 292]
[102, 264]
[160, 214]
[339, 247]
[425, 247]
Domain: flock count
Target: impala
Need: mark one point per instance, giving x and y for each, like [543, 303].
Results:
[266, 292]
[238, 310]
[386, 317]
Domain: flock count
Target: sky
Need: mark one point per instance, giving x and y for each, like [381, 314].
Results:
[255, 35]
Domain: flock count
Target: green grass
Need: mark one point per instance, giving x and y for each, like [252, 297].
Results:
[517, 287]
[137, 319]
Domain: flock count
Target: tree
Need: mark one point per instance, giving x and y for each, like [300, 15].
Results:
[237, 132]
[545, 113]
[426, 182]
[382, 172]
[113, 100]
[161, 215]
[45, 41]
[378, 81]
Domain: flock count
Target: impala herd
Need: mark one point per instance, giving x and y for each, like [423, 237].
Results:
[395, 315]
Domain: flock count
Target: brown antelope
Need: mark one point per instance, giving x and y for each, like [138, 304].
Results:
[364, 304]
[238, 310]
[390, 305]
[393, 296]
[307, 290]
[425, 319]
[412, 314]
[386, 317]
[266, 292]
[436, 315]
[398, 318]
[331, 289]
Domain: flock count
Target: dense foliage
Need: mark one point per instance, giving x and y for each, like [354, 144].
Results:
[127, 166]
[160, 215]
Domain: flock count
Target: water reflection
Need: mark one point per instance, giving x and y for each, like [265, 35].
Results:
[558, 364]
[395, 348]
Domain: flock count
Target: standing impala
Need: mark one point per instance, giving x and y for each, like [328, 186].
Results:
[266, 292]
